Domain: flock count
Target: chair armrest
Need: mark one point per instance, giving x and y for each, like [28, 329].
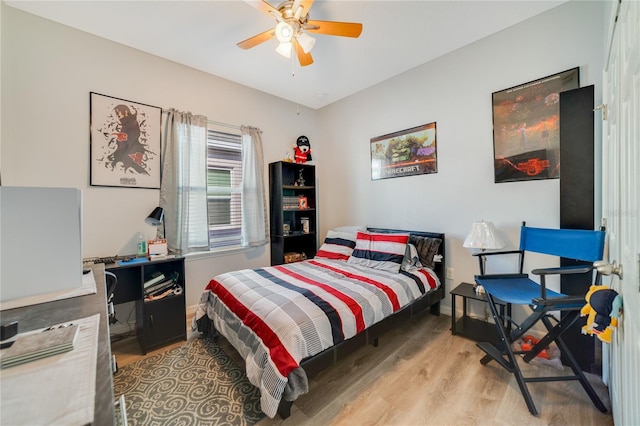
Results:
[580, 269]
[491, 253]
[498, 276]
[559, 301]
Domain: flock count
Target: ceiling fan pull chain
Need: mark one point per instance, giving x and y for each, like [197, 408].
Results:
[294, 75]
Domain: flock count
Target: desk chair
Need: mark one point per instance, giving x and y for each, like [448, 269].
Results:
[518, 288]
[111, 283]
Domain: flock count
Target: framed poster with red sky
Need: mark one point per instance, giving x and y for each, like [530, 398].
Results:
[526, 128]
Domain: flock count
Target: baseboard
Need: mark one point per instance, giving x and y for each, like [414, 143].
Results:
[191, 311]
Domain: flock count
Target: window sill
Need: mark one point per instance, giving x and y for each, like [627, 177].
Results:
[217, 253]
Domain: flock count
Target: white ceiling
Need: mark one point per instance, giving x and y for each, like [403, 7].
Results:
[396, 36]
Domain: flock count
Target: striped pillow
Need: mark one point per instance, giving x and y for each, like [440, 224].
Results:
[337, 246]
[379, 250]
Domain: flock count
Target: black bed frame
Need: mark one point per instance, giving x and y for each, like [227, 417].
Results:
[315, 364]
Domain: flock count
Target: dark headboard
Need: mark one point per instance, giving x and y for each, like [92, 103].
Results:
[440, 267]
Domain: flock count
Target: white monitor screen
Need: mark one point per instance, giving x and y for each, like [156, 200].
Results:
[40, 241]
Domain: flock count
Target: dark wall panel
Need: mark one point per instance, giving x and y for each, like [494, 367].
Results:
[577, 201]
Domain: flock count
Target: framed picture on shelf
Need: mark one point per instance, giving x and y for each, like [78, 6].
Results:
[125, 143]
[302, 203]
[405, 153]
[526, 128]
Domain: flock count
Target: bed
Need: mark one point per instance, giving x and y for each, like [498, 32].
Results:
[289, 322]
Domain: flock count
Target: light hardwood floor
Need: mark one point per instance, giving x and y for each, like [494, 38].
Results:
[422, 375]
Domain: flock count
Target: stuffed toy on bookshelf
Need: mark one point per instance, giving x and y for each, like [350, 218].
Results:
[302, 150]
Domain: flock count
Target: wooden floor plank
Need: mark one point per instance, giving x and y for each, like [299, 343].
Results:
[422, 375]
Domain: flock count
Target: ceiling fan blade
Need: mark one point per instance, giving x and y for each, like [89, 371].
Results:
[304, 58]
[306, 5]
[257, 39]
[265, 7]
[343, 29]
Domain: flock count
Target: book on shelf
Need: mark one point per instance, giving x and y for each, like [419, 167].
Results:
[155, 278]
[33, 346]
[159, 287]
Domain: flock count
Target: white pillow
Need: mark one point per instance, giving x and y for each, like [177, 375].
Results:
[352, 229]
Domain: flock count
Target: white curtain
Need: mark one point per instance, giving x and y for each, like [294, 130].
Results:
[254, 205]
[183, 189]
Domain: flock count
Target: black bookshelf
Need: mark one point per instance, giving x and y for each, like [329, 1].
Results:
[288, 183]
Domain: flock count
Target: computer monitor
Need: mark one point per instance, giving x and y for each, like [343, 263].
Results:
[40, 243]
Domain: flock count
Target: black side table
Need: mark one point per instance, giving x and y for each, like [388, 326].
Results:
[480, 331]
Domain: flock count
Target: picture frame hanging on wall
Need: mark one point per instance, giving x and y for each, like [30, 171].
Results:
[405, 153]
[125, 143]
[526, 128]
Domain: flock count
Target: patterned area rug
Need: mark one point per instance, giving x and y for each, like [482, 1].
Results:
[195, 384]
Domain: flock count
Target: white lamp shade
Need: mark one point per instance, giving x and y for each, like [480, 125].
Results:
[305, 41]
[284, 49]
[483, 235]
[284, 32]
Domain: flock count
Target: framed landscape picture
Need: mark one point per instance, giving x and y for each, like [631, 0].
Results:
[404, 153]
[526, 128]
[125, 143]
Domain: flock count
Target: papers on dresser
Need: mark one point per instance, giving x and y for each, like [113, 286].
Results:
[58, 389]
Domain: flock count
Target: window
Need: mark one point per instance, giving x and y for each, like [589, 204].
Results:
[224, 189]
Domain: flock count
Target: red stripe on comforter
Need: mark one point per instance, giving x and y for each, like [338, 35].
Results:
[432, 281]
[391, 295]
[278, 353]
[355, 308]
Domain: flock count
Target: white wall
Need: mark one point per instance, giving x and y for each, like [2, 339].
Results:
[48, 71]
[455, 92]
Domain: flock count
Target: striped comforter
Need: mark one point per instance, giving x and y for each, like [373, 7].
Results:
[277, 316]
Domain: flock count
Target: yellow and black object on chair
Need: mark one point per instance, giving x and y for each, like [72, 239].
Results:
[519, 289]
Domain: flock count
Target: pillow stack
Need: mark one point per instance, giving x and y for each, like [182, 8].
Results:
[379, 250]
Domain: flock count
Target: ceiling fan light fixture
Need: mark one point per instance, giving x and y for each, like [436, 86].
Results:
[305, 41]
[284, 49]
[284, 32]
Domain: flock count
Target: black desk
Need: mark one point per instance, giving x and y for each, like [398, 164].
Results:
[158, 322]
[45, 314]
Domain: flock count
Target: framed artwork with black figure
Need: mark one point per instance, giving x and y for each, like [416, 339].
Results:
[125, 143]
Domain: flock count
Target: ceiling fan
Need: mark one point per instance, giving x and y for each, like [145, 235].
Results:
[293, 27]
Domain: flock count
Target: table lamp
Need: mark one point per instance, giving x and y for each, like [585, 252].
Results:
[158, 247]
[483, 235]
[156, 217]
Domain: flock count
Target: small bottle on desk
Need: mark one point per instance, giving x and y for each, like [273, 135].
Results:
[142, 245]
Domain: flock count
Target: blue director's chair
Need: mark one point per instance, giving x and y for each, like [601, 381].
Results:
[519, 289]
